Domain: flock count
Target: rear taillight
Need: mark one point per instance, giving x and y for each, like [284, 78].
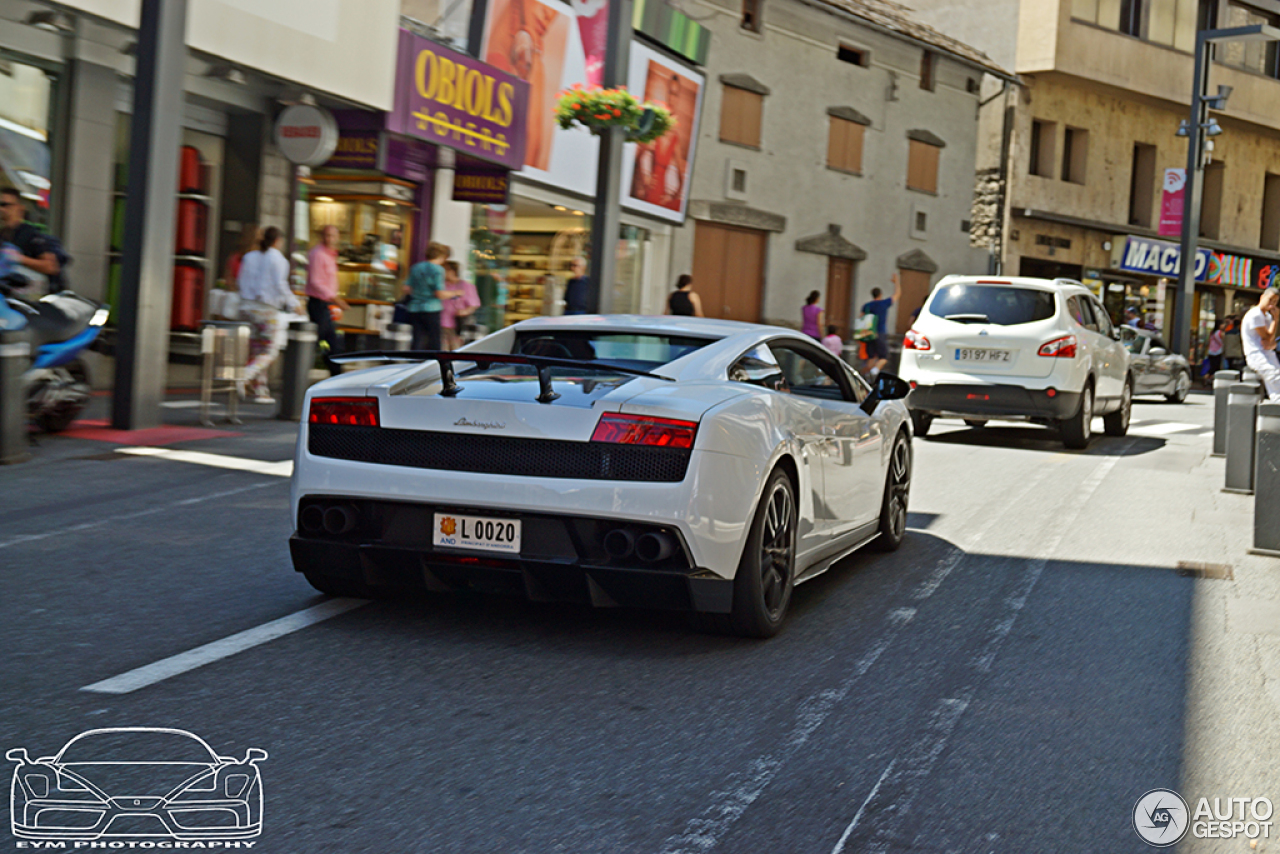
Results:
[350, 411]
[915, 341]
[643, 430]
[1059, 348]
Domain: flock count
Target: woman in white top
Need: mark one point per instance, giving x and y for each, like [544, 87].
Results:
[264, 297]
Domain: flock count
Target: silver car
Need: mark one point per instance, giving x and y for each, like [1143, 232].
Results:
[1155, 369]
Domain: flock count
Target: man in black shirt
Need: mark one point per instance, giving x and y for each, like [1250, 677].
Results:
[575, 290]
[31, 247]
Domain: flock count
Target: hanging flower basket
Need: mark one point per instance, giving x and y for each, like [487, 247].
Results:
[599, 109]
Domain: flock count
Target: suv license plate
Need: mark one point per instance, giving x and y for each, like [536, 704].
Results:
[477, 533]
[974, 354]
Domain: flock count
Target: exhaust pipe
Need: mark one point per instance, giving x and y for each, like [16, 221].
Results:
[311, 519]
[653, 547]
[619, 543]
[340, 519]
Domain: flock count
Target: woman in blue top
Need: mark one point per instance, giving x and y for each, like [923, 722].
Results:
[426, 289]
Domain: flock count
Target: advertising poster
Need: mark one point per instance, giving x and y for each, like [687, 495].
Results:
[1175, 181]
[658, 173]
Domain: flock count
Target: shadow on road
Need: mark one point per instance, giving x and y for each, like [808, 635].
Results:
[1036, 438]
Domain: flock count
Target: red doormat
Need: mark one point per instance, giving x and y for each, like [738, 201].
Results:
[100, 431]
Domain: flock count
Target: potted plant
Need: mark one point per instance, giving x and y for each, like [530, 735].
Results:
[599, 109]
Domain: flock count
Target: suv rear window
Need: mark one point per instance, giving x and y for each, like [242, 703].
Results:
[1002, 305]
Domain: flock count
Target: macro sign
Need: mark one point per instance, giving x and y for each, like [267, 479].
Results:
[450, 99]
[1156, 258]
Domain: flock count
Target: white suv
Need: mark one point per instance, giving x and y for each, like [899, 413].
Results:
[1041, 350]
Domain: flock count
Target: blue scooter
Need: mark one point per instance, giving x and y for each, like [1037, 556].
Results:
[62, 326]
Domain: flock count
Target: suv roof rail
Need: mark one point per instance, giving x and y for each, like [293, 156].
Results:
[1063, 280]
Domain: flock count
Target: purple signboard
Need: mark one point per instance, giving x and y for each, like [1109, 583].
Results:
[357, 149]
[450, 99]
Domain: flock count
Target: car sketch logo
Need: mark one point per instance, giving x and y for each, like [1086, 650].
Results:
[1160, 817]
[448, 526]
[129, 782]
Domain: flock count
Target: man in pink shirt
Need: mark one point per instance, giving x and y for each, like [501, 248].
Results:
[322, 291]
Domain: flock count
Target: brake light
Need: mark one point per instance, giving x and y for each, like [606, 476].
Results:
[351, 411]
[915, 341]
[1059, 348]
[643, 430]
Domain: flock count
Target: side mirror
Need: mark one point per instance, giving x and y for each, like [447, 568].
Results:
[889, 387]
[255, 754]
[1158, 351]
[18, 754]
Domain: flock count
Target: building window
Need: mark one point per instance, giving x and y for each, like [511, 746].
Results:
[922, 220]
[1130, 17]
[1042, 139]
[1259, 57]
[922, 166]
[751, 10]
[928, 63]
[1142, 185]
[1211, 201]
[844, 145]
[1075, 151]
[740, 115]
[852, 55]
[739, 180]
[1270, 237]
[1168, 22]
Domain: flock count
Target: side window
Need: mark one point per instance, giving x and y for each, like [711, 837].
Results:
[1102, 318]
[758, 367]
[806, 376]
[1081, 312]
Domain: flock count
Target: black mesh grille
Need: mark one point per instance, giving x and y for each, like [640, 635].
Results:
[497, 454]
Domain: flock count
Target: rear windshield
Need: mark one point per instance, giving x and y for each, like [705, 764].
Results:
[641, 351]
[999, 304]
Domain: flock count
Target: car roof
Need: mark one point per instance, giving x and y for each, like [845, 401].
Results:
[1059, 285]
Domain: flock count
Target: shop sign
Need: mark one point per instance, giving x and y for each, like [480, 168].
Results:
[1171, 202]
[357, 149]
[1156, 257]
[490, 188]
[1239, 271]
[449, 99]
[306, 135]
[411, 159]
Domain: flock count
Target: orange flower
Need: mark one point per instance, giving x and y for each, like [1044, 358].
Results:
[617, 114]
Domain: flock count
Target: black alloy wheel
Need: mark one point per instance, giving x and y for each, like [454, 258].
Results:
[1117, 423]
[766, 575]
[921, 422]
[897, 494]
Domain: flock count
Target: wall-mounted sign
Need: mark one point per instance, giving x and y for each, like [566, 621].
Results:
[306, 135]
[449, 99]
[1156, 257]
[357, 149]
[490, 188]
[1171, 202]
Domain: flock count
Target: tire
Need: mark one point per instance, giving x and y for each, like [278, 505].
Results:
[975, 423]
[921, 422]
[332, 585]
[766, 574]
[1181, 386]
[1117, 423]
[897, 492]
[1078, 429]
[63, 415]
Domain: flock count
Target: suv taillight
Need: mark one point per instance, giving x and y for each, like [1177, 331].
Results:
[1059, 348]
[351, 411]
[915, 341]
[643, 430]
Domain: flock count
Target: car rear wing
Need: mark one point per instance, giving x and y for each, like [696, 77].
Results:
[446, 358]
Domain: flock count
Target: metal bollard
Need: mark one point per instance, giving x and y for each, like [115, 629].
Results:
[1242, 404]
[15, 358]
[299, 356]
[1222, 382]
[398, 336]
[1266, 482]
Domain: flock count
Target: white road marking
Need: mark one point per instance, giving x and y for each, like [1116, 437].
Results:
[86, 526]
[166, 668]
[907, 777]
[187, 404]
[280, 469]
[862, 809]
[1164, 428]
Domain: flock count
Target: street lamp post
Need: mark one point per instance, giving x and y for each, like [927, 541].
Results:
[1195, 171]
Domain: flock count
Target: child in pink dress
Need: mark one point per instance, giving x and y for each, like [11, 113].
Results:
[455, 313]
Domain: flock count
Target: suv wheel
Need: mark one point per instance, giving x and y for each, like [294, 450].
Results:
[921, 422]
[1181, 386]
[1077, 430]
[1117, 423]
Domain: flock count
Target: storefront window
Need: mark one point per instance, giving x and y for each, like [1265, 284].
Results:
[374, 236]
[629, 284]
[490, 262]
[26, 157]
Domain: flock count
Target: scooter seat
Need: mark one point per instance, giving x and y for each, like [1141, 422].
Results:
[59, 317]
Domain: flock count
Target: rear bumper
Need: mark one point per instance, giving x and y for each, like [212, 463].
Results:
[993, 401]
[562, 559]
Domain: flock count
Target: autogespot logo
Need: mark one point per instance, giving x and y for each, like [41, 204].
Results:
[1160, 817]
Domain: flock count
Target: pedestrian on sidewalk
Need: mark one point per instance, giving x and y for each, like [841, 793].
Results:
[265, 301]
[28, 247]
[683, 302]
[426, 289]
[1258, 336]
[575, 290]
[832, 341]
[456, 313]
[1215, 349]
[322, 294]
[811, 316]
[878, 307]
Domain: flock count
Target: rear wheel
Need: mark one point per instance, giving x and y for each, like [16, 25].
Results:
[1181, 386]
[766, 575]
[70, 396]
[1078, 429]
[975, 423]
[897, 491]
[921, 422]
[1117, 423]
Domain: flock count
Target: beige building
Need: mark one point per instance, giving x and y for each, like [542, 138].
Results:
[1072, 168]
[837, 147]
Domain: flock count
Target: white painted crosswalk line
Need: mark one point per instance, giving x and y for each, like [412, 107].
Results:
[280, 469]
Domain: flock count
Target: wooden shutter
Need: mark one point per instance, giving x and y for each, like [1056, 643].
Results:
[844, 145]
[740, 114]
[922, 166]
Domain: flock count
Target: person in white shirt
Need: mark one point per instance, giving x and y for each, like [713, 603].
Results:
[1258, 337]
[265, 297]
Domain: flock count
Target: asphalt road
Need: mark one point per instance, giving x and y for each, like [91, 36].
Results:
[1011, 680]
